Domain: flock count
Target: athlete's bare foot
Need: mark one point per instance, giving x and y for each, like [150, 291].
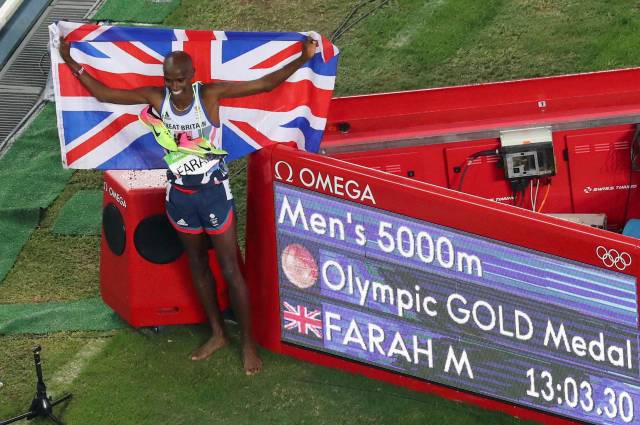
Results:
[251, 359]
[212, 345]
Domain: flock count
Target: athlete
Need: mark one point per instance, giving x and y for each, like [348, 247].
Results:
[199, 202]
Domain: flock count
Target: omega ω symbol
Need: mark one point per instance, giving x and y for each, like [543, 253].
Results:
[287, 171]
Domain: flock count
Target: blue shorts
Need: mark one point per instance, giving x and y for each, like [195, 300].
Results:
[208, 209]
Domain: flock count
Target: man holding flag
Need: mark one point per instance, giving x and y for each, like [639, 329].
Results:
[187, 124]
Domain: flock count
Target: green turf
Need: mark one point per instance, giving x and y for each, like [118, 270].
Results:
[30, 172]
[31, 178]
[81, 215]
[88, 314]
[399, 47]
[149, 380]
[141, 11]
[15, 227]
[17, 371]
[414, 44]
[55, 267]
[257, 15]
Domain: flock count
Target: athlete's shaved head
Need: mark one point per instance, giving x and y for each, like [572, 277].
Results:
[178, 60]
[178, 73]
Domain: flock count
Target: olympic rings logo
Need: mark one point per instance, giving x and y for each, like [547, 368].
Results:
[613, 258]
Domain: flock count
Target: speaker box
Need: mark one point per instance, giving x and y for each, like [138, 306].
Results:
[144, 274]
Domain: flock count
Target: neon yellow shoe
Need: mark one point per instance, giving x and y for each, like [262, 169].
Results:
[200, 146]
[161, 133]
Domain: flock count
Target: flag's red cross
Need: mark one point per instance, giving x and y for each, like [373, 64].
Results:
[302, 319]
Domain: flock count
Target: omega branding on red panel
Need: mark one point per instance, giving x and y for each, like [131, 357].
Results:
[115, 195]
[324, 182]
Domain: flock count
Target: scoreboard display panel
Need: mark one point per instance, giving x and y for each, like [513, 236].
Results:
[455, 308]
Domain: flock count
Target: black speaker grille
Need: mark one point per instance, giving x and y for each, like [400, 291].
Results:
[156, 240]
[114, 231]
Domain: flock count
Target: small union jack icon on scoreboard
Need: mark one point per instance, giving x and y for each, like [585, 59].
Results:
[302, 319]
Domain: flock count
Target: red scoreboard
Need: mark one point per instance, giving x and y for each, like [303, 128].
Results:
[373, 257]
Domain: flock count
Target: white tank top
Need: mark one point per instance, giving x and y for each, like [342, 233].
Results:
[196, 123]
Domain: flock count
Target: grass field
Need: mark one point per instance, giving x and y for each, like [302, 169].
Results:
[138, 377]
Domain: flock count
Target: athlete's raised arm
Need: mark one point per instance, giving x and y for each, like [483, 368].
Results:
[150, 95]
[264, 84]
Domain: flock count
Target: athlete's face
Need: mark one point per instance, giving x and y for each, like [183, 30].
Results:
[178, 78]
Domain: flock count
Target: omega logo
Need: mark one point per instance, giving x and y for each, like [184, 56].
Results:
[288, 171]
[115, 195]
[319, 181]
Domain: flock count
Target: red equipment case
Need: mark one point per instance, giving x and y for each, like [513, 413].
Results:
[144, 276]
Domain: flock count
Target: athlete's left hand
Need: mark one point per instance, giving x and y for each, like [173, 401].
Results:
[309, 48]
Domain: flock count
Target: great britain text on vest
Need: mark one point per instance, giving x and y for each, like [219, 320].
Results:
[185, 127]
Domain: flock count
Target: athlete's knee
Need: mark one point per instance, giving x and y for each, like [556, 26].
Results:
[198, 260]
[231, 274]
[229, 268]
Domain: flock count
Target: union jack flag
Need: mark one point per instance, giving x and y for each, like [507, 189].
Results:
[107, 136]
[302, 319]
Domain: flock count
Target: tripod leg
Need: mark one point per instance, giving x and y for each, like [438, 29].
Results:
[55, 420]
[17, 418]
[60, 400]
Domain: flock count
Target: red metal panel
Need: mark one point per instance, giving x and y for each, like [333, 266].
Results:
[261, 259]
[422, 163]
[483, 177]
[439, 164]
[601, 176]
[395, 116]
[402, 162]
